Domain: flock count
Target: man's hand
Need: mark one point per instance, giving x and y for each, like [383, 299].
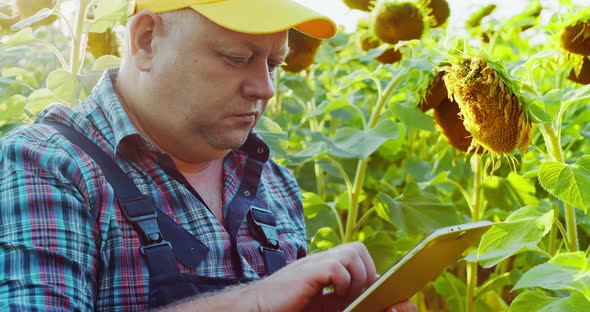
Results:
[302, 286]
[348, 269]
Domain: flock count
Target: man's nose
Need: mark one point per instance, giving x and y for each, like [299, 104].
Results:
[260, 84]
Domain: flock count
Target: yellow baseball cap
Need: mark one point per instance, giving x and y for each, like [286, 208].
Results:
[249, 16]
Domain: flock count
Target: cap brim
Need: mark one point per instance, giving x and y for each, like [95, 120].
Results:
[267, 16]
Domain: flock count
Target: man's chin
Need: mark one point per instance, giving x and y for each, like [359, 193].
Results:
[230, 143]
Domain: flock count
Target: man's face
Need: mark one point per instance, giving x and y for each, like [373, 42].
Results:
[210, 85]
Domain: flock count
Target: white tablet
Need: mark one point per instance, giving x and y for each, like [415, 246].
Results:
[420, 265]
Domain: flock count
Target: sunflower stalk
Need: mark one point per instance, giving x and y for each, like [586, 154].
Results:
[476, 212]
[78, 44]
[276, 106]
[555, 152]
[359, 179]
[315, 126]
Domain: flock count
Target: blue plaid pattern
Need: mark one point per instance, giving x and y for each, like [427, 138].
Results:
[65, 244]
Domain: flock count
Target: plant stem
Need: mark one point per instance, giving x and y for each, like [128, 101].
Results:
[554, 149]
[476, 211]
[60, 58]
[276, 107]
[554, 230]
[77, 52]
[365, 216]
[319, 172]
[359, 178]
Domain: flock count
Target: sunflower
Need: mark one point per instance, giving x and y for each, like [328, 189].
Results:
[575, 37]
[475, 19]
[492, 112]
[302, 53]
[366, 42]
[363, 5]
[104, 43]
[396, 21]
[583, 75]
[439, 11]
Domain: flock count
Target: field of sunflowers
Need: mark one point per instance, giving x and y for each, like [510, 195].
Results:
[393, 130]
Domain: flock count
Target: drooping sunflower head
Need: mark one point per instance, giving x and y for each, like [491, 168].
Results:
[104, 43]
[581, 73]
[492, 112]
[570, 30]
[475, 18]
[435, 94]
[447, 114]
[362, 5]
[438, 11]
[575, 37]
[303, 49]
[394, 21]
[367, 40]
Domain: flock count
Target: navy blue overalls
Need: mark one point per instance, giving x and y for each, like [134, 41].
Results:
[164, 243]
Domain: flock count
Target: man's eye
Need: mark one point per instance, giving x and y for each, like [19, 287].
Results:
[237, 59]
[273, 66]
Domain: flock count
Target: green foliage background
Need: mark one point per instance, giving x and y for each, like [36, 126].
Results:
[372, 166]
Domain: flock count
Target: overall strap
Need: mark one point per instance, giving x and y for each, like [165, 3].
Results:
[263, 226]
[163, 241]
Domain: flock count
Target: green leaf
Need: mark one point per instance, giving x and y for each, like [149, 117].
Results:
[413, 117]
[325, 238]
[5, 128]
[312, 204]
[24, 36]
[362, 143]
[314, 151]
[105, 62]
[532, 301]
[357, 75]
[511, 192]
[523, 189]
[382, 248]
[423, 174]
[521, 231]
[12, 107]
[569, 183]
[577, 94]
[375, 52]
[272, 134]
[323, 219]
[299, 86]
[21, 74]
[328, 106]
[416, 211]
[567, 271]
[552, 101]
[38, 100]
[325, 55]
[108, 13]
[452, 290]
[538, 114]
[39, 16]
[64, 85]
[317, 214]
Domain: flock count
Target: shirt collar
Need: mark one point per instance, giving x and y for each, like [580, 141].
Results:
[105, 96]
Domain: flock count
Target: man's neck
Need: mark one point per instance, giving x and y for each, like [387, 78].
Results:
[192, 169]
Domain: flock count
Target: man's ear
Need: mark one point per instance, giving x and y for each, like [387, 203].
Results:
[145, 27]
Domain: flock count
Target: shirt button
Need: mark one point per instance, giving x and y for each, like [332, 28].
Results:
[260, 150]
[247, 193]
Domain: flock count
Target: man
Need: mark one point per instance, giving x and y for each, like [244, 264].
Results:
[177, 119]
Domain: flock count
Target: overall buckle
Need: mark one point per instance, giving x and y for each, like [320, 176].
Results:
[264, 226]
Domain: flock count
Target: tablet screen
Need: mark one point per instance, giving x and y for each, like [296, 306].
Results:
[420, 265]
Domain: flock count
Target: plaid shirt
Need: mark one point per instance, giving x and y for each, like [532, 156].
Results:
[64, 242]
